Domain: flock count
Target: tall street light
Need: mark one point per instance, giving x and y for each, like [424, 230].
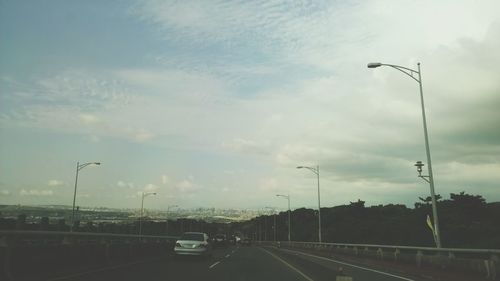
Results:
[274, 212]
[315, 170]
[289, 221]
[78, 168]
[144, 194]
[417, 76]
[168, 213]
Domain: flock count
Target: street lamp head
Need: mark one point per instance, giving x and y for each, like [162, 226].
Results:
[419, 166]
[97, 163]
[374, 64]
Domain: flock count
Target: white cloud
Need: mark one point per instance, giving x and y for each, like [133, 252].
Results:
[269, 185]
[151, 188]
[164, 179]
[89, 119]
[55, 183]
[248, 146]
[36, 193]
[121, 183]
[143, 136]
[5, 192]
[186, 187]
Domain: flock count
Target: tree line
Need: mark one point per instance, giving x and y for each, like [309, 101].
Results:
[466, 221]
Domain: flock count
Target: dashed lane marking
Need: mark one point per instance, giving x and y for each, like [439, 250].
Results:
[213, 265]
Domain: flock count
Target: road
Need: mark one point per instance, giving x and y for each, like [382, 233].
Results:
[236, 263]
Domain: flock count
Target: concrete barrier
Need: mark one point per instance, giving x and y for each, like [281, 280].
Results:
[26, 255]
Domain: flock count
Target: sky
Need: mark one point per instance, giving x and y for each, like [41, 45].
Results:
[215, 103]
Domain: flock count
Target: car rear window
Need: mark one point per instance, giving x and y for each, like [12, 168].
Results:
[192, 236]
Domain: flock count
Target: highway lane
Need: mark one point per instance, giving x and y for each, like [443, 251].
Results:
[323, 268]
[231, 263]
[253, 263]
[165, 268]
[236, 263]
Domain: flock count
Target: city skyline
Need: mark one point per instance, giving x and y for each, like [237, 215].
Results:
[216, 103]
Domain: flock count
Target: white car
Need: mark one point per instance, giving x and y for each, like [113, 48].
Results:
[194, 244]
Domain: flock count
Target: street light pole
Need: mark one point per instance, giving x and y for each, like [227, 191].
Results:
[265, 228]
[315, 170]
[144, 194]
[410, 72]
[78, 168]
[289, 214]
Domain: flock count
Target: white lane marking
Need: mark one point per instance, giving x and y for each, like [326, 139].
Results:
[101, 269]
[352, 265]
[214, 265]
[289, 265]
[228, 255]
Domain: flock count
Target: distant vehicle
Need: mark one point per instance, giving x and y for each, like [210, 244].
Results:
[232, 240]
[220, 240]
[246, 241]
[193, 244]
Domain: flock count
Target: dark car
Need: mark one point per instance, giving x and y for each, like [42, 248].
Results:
[220, 240]
[246, 241]
[232, 240]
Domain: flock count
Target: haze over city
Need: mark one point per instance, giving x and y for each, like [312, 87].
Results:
[217, 103]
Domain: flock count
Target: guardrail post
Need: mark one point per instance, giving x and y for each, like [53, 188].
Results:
[355, 250]
[380, 253]
[491, 267]
[396, 254]
[418, 258]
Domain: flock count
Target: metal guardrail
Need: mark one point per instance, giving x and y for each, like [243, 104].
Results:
[48, 251]
[67, 237]
[484, 262]
[411, 248]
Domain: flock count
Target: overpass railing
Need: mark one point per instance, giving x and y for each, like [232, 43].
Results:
[49, 252]
[17, 237]
[483, 262]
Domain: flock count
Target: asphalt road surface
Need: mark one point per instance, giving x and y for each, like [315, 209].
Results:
[237, 263]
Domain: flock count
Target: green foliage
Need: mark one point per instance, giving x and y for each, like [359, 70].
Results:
[466, 221]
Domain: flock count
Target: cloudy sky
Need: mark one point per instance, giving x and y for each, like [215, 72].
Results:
[214, 103]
